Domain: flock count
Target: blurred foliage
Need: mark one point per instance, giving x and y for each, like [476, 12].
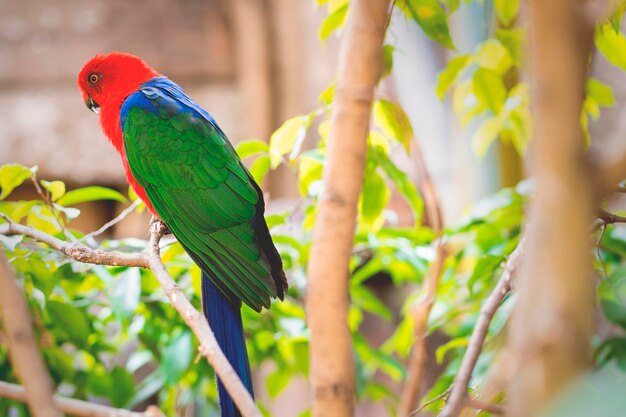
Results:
[108, 333]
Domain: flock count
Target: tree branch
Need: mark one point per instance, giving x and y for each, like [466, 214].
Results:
[76, 408]
[458, 394]
[75, 251]
[332, 360]
[23, 353]
[114, 221]
[152, 260]
[420, 313]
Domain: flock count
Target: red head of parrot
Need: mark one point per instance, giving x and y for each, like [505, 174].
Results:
[105, 82]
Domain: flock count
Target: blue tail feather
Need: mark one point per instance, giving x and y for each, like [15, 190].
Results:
[225, 321]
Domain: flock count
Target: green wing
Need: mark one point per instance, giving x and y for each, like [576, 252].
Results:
[201, 190]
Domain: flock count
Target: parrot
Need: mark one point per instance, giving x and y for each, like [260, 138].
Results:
[182, 166]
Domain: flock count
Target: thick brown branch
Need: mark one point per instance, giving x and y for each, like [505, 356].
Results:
[458, 393]
[552, 324]
[151, 259]
[332, 361]
[23, 352]
[74, 407]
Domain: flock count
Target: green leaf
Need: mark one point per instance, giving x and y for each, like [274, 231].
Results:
[122, 387]
[612, 297]
[55, 188]
[177, 357]
[125, 293]
[310, 168]
[365, 299]
[70, 320]
[12, 176]
[251, 147]
[374, 198]
[494, 56]
[259, 168]
[394, 122]
[333, 21]
[513, 40]
[60, 362]
[489, 89]
[277, 381]
[600, 93]
[22, 208]
[432, 19]
[616, 19]
[91, 193]
[402, 182]
[612, 45]
[486, 135]
[442, 350]
[388, 51]
[326, 96]
[448, 76]
[288, 137]
[484, 269]
[507, 10]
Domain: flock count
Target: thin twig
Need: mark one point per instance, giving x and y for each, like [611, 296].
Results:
[421, 311]
[113, 222]
[429, 402]
[151, 259]
[458, 394]
[77, 408]
[45, 196]
[481, 405]
[598, 252]
[23, 352]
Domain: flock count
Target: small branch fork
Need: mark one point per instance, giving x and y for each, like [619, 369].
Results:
[151, 260]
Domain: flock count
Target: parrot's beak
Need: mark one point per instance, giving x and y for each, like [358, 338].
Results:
[92, 105]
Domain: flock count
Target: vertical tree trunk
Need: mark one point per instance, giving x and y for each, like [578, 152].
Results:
[552, 324]
[332, 362]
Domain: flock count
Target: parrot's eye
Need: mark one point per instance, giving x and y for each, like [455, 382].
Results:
[94, 78]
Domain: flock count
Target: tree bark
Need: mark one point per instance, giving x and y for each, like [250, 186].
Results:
[332, 362]
[23, 352]
[552, 324]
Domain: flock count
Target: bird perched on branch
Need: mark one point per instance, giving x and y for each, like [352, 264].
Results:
[181, 164]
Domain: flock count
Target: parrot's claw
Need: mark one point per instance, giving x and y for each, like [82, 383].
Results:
[156, 222]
